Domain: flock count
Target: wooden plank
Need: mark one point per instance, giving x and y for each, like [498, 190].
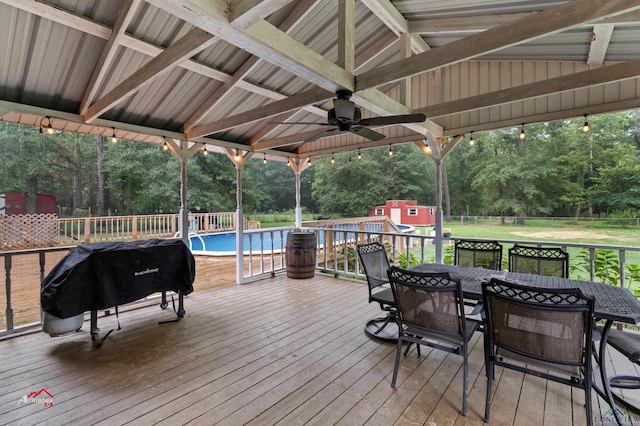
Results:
[275, 351]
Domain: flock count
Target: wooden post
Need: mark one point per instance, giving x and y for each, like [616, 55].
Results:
[87, 230]
[134, 227]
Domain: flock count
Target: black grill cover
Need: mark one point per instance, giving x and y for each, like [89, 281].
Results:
[100, 276]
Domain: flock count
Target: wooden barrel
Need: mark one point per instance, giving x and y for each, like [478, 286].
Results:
[301, 254]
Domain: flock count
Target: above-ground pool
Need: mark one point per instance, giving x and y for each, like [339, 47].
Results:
[224, 243]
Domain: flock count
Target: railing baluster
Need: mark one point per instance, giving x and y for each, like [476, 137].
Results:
[621, 256]
[9, 310]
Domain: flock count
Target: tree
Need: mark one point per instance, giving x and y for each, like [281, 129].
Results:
[350, 186]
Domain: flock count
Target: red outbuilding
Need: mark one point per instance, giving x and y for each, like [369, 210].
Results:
[15, 203]
[406, 212]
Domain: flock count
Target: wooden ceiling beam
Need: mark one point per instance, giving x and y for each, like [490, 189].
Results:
[512, 33]
[346, 34]
[477, 23]
[602, 75]
[102, 31]
[302, 9]
[125, 14]
[265, 41]
[298, 138]
[600, 39]
[623, 105]
[245, 13]
[308, 149]
[299, 100]
[187, 46]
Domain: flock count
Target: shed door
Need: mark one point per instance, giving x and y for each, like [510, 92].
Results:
[396, 215]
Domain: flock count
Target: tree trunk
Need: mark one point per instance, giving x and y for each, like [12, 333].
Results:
[77, 179]
[445, 185]
[31, 197]
[100, 202]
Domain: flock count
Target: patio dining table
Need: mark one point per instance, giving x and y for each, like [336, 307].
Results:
[612, 304]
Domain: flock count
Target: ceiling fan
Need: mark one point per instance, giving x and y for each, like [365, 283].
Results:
[345, 117]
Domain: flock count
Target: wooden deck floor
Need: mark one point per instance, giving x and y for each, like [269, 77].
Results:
[276, 351]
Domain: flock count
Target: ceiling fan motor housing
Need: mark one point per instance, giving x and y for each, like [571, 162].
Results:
[333, 120]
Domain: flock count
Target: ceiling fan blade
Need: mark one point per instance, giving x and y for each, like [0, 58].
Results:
[300, 122]
[392, 119]
[324, 134]
[367, 133]
[344, 109]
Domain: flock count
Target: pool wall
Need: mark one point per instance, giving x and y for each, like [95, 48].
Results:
[269, 240]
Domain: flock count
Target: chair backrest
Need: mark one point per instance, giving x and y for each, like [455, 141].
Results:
[549, 261]
[544, 324]
[478, 254]
[375, 262]
[428, 301]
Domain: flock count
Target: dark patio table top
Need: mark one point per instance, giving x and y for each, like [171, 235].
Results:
[611, 302]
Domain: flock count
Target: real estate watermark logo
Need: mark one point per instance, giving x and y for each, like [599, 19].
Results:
[609, 417]
[42, 396]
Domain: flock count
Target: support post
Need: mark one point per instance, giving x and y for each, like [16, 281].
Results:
[182, 151]
[238, 159]
[298, 165]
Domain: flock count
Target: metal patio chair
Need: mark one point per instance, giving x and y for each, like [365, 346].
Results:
[549, 261]
[375, 262]
[478, 254]
[539, 331]
[431, 313]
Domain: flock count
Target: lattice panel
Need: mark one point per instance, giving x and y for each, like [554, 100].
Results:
[28, 231]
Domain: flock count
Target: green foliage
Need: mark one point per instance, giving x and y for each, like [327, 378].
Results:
[606, 266]
[449, 255]
[401, 261]
[558, 170]
[633, 277]
[350, 186]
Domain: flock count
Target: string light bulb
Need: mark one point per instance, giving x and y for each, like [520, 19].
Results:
[46, 128]
[114, 139]
[359, 155]
[522, 134]
[333, 160]
[289, 163]
[585, 126]
[165, 146]
[204, 151]
[237, 157]
[264, 160]
[390, 151]
[309, 161]
[472, 141]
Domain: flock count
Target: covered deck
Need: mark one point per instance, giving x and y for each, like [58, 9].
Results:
[275, 351]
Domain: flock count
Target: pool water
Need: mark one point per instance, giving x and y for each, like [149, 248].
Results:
[224, 243]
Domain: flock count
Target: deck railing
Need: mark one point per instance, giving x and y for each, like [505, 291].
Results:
[125, 228]
[336, 254]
